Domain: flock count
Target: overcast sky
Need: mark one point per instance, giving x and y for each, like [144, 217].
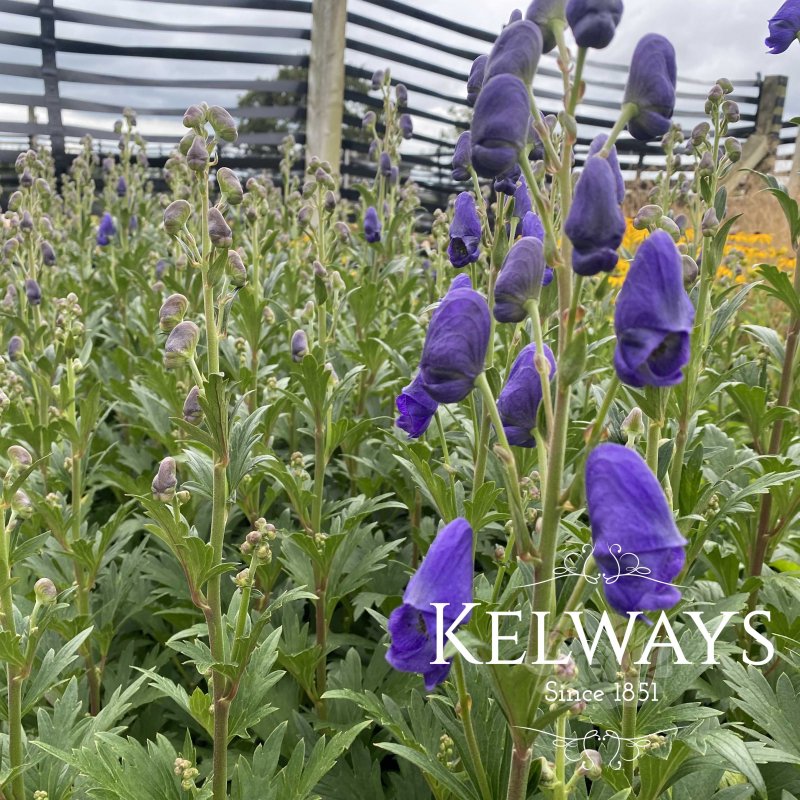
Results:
[713, 38]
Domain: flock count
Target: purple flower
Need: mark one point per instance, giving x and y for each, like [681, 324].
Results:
[594, 22]
[520, 280]
[543, 13]
[416, 408]
[465, 232]
[594, 148]
[106, 229]
[462, 281]
[406, 126]
[299, 345]
[516, 51]
[455, 345]
[122, 187]
[522, 200]
[653, 317]
[595, 224]
[507, 182]
[462, 157]
[651, 87]
[519, 400]
[385, 164]
[475, 80]
[500, 125]
[784, 27]
[532, 226]
[445, 576]
[637, 545]
[372, 226]
[33, 292]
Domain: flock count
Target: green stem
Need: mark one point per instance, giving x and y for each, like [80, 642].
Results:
[653, 438]
[576, 81]
[559, 791]
[465, 701]
[542, 365]
[626, 114]
[520, 768]
[629, 709]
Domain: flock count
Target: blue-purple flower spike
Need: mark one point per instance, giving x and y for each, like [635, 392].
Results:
[520, 280]
[372, 226]
[653, 317]
[637, 545]
[784, 27]
[106, 230]
[516, 52]
[651, 87]
[594, 22]
[462, 157]
[445, 576]
[475, 80]
[465, 232]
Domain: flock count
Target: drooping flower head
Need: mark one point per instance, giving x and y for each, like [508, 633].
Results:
[532, 226]
[516, 51]
[465, 232]
[784, 27]
[651, 87]
[595, 224]
[455, 345]
[594, 22]
[520, 280]
[416, 408]
[594, 148]
[546, 14]
[462, 157]
[506, 183]
[445, 576]
[372, 225]
[500, 125]
[653, 317]
[637, 545]
[475, 80]
[522, 200]
[519, 399]
[105, 230]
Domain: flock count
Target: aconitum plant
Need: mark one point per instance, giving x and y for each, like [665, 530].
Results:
[314, 497]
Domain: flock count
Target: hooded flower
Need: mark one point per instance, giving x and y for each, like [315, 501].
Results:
[532, 226]
[372, 226]
[475, 80]
[500, 125]
[445, 576]
[594, 148]
[507, 182]
[545, 13]
[462, 157]
[520, 280]
[595, 224]
[516, 51]
[653, 317]
[637, 545]
[784, 27]
[465, 232]
[106, 229]
[416, 409]
[455, 344]
[594, 22]
[651, 87]
[519, 400]
[406, 126]
[522, 200]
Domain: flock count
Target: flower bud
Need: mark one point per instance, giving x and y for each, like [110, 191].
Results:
[725, 85]
[4, 401]
[690, 270]
[176, 215]
[16, 348]
[218, 230]
[647, 216]
[705, 169]
[567, 671]
[21, 505]
[197, 155]
[731, 111]
[45, 591]
[223, 124]
[710, 223]
[172, 312]
[33, 292]
[26, 223]
[715, 94]
[668, 224]
[401, 95]
[733, 149]
[633, 425]
[329, 201]
[342, 231]
[377, 79]
[19, 457]
[299, 345]
[181, 344]
[700, 133]
[591, 765]
[48, 253]
[194, 117]
[122, 187]
[368, 120]
[165, 481]
[230, 186]
[237, 272]
[192, 412]
[406, 126]
[10, 247]
[385, 164]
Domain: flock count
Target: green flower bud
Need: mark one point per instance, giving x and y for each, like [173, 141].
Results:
[218, 230]
[705, 169]
[176, 215]
[237, 272]
[591, 765]
[194, 117]
[21, 505]
[165, 481]
[731, 111]
[45, 591]
[197, 156]
[725, 85]
[181, 344]
[187, 140]
[4, 401]
[172, 312]
[690, 270]
[15, 201]
[647, 216]
[223, 124]
[700, 133]
[230, 186]
[668, 224]
[710, 224]
[716, 94]
[733, 149]
[192, 411]
[19, 457]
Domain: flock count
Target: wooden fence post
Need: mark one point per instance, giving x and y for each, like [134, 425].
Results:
[50, 75]
[326, 81]
[761, 147]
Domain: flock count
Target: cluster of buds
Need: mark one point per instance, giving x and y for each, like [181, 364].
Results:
[20, 460]
[297, 467]
[447, 752]
[40, 794]
[69, 328]
[566, 671]
[186, 772]
[256, 543]
[529, 486]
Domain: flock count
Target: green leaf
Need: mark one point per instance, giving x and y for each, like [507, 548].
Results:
[780, 286]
